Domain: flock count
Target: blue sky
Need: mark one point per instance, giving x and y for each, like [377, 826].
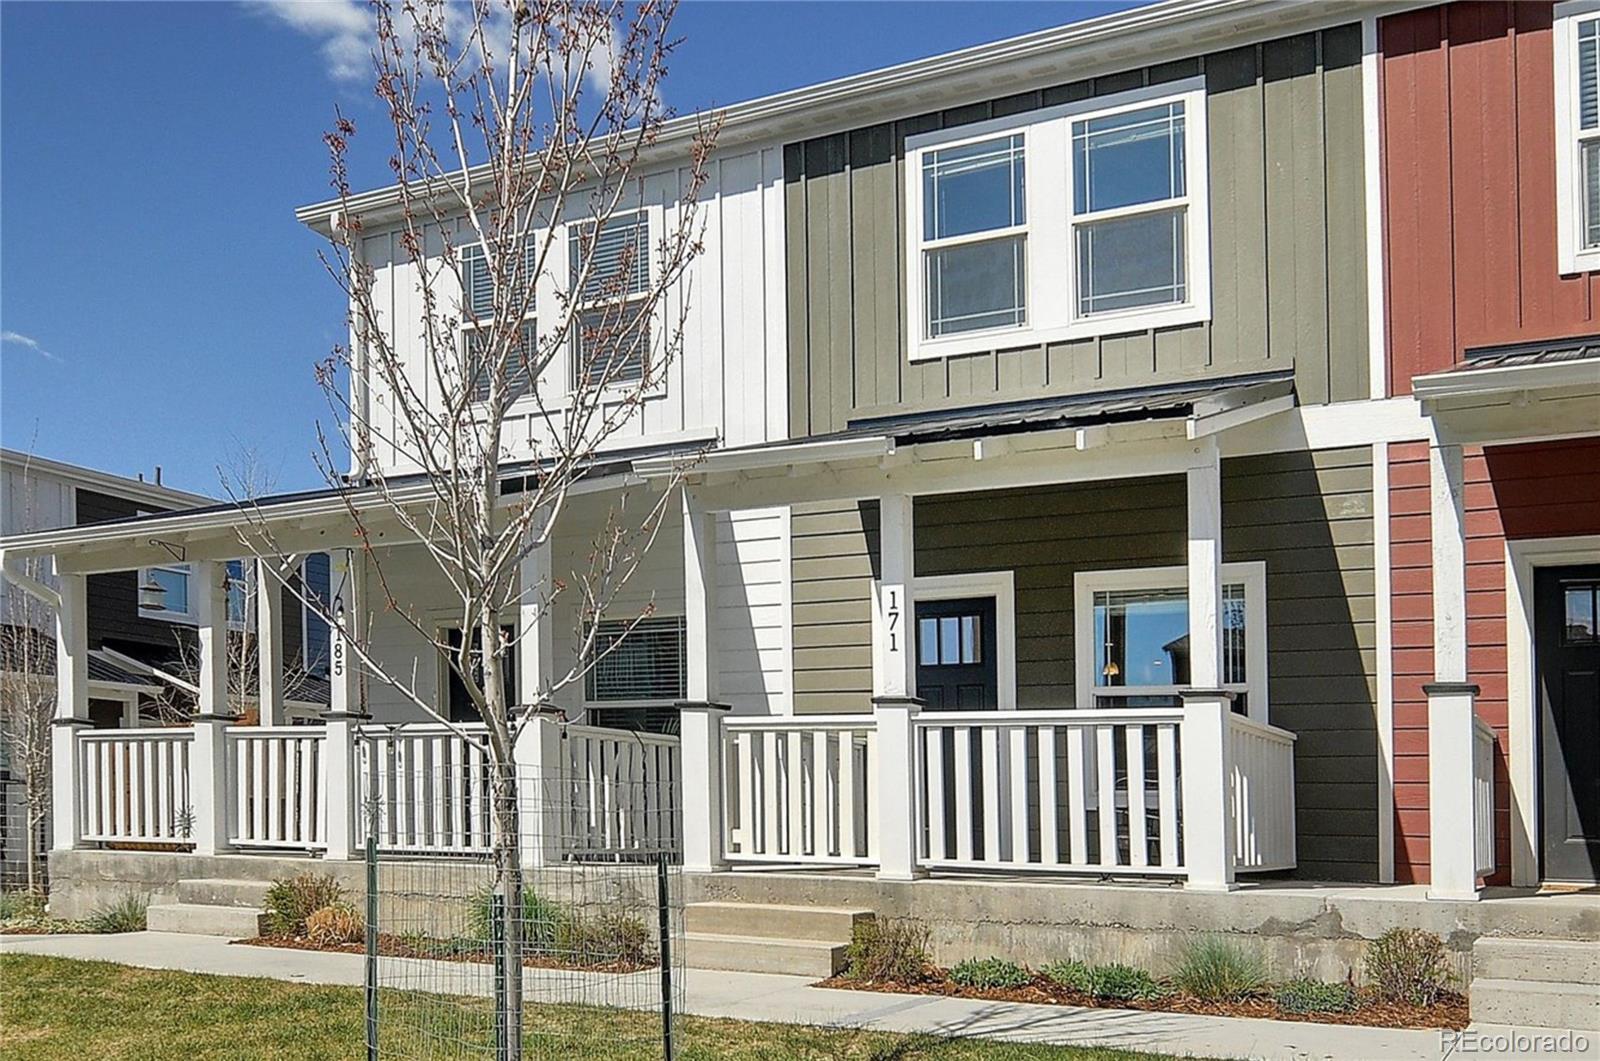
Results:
[158, 302]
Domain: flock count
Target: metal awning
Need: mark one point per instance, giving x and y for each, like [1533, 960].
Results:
[1492, 370]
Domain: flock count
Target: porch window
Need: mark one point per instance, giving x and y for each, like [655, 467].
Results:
[1577, 76]
[1137, 626]
[637, 662]
[610, 268]
[1061, 223]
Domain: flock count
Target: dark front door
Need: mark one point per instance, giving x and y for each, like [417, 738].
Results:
[956, 669]
[1567, 661]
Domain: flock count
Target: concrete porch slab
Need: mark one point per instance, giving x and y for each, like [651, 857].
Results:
[790, 999]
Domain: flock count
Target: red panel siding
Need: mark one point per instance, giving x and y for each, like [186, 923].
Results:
[1468, 127]
[1545, 490]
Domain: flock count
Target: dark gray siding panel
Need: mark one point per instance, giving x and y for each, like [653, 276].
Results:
[1308, 516]
[1287, 234]
[113, 599]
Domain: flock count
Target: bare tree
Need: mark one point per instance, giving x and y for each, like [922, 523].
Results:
[518, 135]
[28, 691]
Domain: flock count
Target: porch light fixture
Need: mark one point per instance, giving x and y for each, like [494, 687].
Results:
[152, 595]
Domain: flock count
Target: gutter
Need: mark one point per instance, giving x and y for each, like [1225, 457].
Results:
[1467, 382]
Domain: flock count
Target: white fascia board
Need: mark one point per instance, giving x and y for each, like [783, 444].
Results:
[1466, 383]
[801, 453]
[1140, 36]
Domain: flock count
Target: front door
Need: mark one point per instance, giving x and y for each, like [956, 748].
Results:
[956, 666]
[1567, 662]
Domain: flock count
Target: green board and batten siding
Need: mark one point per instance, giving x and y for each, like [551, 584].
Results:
[1308, 516]
[1288, 255]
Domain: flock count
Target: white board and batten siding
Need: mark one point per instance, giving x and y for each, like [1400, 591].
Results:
[730, 379]
[31, 500]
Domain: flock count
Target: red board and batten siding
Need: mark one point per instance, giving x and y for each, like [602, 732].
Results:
[1468, 148]
[1543, 490]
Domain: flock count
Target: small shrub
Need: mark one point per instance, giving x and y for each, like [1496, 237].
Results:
[126, 914]
[1407, 965]
[1123, 983]
[290, 900]
[887, 951]
[1314, 996]
[1218, 969]
[605, 939]
[332, 926]
[542, 920]
[1074, 975]
[21, 905]
[990, 973]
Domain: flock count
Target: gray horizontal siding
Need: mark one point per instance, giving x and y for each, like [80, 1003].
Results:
[1288, 257]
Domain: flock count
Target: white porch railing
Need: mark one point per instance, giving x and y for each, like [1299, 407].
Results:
[133, 786]
[1261, 795]
[1482, 796]
[800, 789]
[426, 787]
[1090, 790]
[277, 787]
[621, 790]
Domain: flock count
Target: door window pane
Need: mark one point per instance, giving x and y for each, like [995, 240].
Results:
[1131, 261]
[1579, 628]
[927, 641]
[973, 188]
[1126, 159]
[950, 640]
[976, 286]
[971, 639]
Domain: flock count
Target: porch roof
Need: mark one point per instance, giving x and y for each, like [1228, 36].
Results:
[1522, 392]
[1516, 367]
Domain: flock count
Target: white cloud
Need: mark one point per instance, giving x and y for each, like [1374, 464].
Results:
[29, 342]
[344, 28]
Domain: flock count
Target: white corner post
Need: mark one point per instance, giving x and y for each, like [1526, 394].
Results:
[1452, 864]
[1208, 836]
[72, 709]
[208, 586]
[894, 685]
[700, 724]
[269, 642]
[535, 628]
[347, 706]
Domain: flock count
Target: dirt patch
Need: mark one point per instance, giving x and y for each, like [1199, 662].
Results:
[1449, 1012]
[442, 950]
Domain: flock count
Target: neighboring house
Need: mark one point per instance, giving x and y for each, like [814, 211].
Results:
[1160, 448]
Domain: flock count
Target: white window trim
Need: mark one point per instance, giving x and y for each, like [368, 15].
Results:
[1569, 159]
[583, 687]
[1001, 585]
[1051, 311]
[1085, 584]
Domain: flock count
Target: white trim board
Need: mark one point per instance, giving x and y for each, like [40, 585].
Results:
[1522, 700]
[1001, 585]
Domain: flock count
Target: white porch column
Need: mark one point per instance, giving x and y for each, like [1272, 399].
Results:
[894, 683]
[535, 628]
[539, 788]
[208, 766]
[269, 642]
[1208, 839]
[72, 709]
[1452, 864]
[700, 723]
[347, 707]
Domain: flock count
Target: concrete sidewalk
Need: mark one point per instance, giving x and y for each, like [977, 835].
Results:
[792, 999]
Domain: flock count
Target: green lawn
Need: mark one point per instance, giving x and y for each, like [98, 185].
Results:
[57, 1008]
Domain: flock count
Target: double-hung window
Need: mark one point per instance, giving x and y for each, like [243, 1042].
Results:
[1073, 221]
[610, 266]
[1577, 113]
[1132, 637]
[478, 317]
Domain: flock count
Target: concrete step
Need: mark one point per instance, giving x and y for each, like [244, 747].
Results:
[1533, 1003]
[218, 891]
[1556, 961]
[234, 922]
[770, 921]
[762, 954]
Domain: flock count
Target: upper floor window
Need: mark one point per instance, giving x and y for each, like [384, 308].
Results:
[1080, 220]
[1577, 104]
[478, 318]
[610, 270]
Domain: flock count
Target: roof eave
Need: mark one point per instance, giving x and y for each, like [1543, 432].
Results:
[1469, 382]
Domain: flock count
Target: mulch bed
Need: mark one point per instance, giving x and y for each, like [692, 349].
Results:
[390, 946]
[1449, 1012]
